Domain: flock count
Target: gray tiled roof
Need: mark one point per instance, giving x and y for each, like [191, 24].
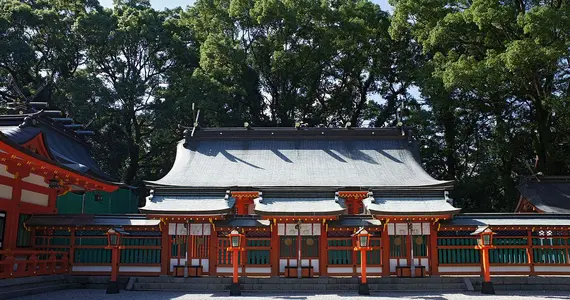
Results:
[298, 161]
[409, 205]
[191, 204]
[64, 148]
[298, 206]
[548, 195]
[515, 219]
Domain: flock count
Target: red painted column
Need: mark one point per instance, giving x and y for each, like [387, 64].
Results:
[114, 264]
[433, 255]
[166, 250]
[385, 242]
[324, 259]
[52, 200]
[213, 259]
[486, 270]
[235, 265]
[13, 215]
[363, 265]
[274, 254]
[240, 205]
[530, 253]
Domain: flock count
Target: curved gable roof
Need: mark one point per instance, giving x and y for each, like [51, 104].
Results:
[335, 158]
[550, 195]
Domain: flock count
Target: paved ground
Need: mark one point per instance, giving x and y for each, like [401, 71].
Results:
[100, 295]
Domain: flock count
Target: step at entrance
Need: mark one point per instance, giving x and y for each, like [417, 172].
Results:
[18, 287]
[325, 284]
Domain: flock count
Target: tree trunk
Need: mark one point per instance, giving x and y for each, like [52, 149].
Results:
[450, 133]
[543, 136]
[133, 165]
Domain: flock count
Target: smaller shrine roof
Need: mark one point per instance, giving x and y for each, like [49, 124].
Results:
[548, 194]
[180, 203]
[243, 221]
[65, 145]
[299, 206]
[90, 220]
[355, 221]
[409, 206]
[514, 219]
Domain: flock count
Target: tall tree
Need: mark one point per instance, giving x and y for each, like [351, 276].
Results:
[503, 66]
[511, 54]
[316, 62]
[39, 44]
[130, 51]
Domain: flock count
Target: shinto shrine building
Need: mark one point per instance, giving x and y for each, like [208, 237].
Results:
[298, 195]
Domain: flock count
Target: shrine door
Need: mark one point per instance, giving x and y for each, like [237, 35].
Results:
[408, 243]
[291, 240]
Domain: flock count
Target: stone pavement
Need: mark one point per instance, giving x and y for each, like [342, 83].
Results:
[86, 294]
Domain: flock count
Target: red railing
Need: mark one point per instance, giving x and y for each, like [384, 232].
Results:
[23, 263]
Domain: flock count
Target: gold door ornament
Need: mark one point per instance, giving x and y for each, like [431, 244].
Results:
[288, 241]
[419, 240]
[310, 242]
[398, 241]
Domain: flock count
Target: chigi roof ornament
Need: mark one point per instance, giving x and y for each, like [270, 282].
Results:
[150, 195]
[447, 198]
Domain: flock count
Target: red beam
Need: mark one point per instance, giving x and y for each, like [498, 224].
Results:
[43, 168]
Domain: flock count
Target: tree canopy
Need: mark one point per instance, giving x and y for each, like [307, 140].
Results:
[484, 83]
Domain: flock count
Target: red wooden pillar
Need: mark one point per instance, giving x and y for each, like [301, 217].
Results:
[324, 259]
[433, 255]
[166, 251]
[235, 266]
[485, 261]
[114, 264]
[274, 251]
[355, 262]
[240, 205]
[52, 200]
[363, 265]
[385, 242]
[530, 253]
[13, 215]
[213, 259]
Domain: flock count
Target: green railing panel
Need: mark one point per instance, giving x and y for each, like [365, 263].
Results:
[258, 257]
[340, 243]
[372, 257]
[93, 255]
[259, 243]
[86, 241]
[550, 256]
[458, 256]
[549, 241]
[340, 257]
[24, 236]
[508, 255]
[174, 249]
[140, 256]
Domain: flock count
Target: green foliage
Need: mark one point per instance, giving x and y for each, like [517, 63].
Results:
[504, 66]
[492, 77]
